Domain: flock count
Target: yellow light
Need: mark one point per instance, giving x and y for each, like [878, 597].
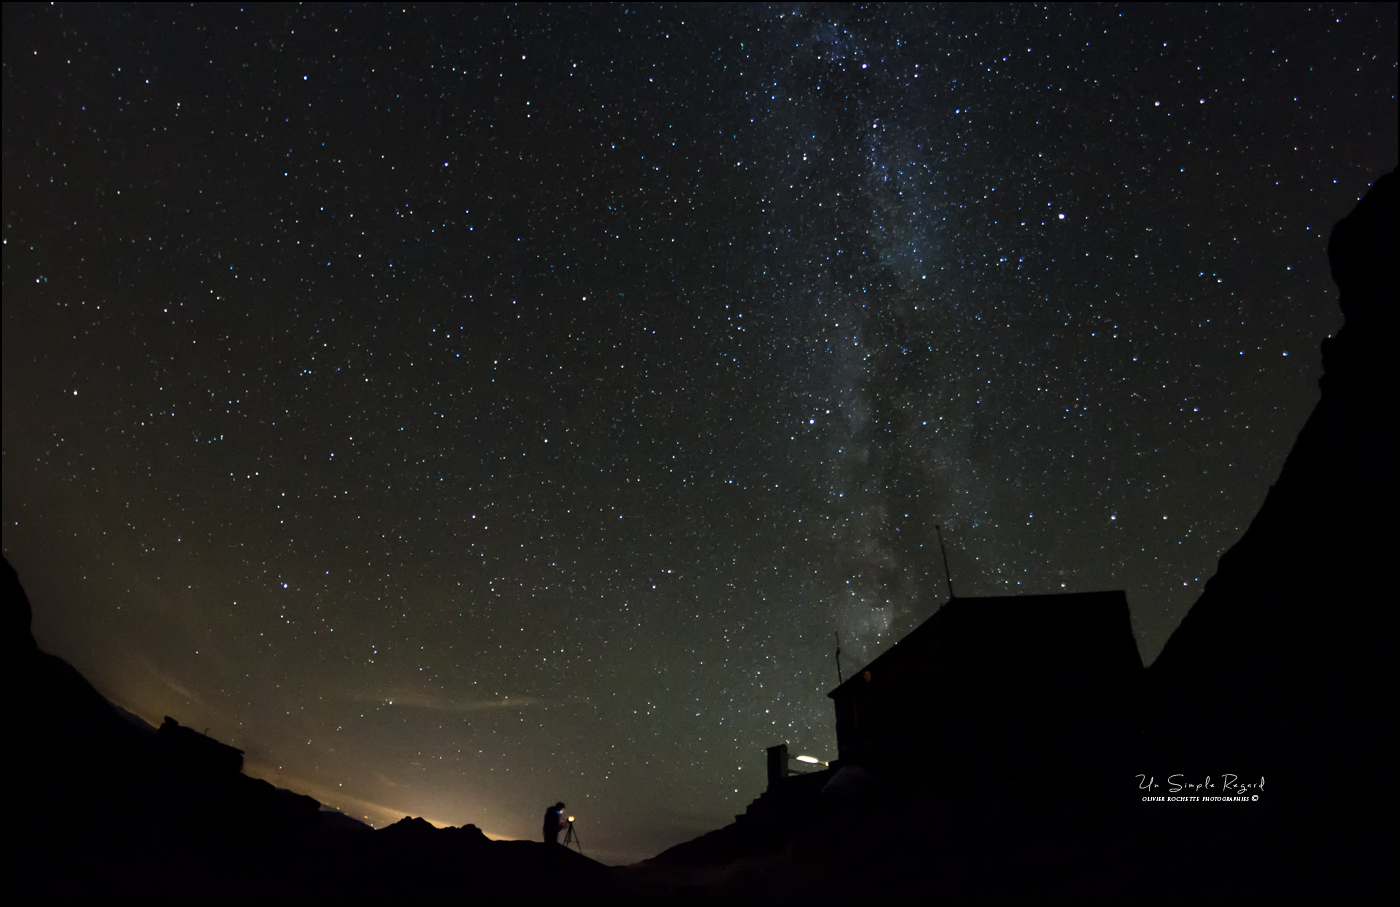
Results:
[812, 759]
[571, 818]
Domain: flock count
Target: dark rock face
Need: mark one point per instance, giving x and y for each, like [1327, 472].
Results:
[1284, 668]
[1290, 651]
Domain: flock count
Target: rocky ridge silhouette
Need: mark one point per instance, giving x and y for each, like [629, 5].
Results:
[114, 811]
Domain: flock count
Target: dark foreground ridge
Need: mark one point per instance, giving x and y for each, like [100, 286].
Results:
[1281, 677]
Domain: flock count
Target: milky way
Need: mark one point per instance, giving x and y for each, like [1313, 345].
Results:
[461, 409]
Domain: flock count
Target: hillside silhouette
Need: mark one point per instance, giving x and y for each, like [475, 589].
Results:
[112, 810]
[1278, 676]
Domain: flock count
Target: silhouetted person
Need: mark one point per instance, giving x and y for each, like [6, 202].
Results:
[552, 823]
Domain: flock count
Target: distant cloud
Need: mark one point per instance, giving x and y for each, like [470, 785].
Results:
[445, 703]
[151, 702]
[179, 689]
[376, 814]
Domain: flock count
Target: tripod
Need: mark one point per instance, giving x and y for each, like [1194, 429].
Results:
[571, 837]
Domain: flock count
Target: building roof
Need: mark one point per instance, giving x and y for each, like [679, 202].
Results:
[1080, 633]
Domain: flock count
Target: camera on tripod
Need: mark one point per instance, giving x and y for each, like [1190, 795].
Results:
[571, 836]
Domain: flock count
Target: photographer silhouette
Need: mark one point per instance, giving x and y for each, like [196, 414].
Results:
[552, 823]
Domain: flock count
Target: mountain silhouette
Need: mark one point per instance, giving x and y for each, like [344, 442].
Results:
[110, 809]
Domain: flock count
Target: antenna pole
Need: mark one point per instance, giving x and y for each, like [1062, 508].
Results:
[948, 574]
[839, 679]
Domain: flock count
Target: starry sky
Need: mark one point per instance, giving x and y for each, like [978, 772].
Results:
[461, 409]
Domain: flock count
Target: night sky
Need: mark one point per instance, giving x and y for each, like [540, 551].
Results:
[461, 409]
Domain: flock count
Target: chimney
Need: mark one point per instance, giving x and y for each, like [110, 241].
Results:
[777, 763]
